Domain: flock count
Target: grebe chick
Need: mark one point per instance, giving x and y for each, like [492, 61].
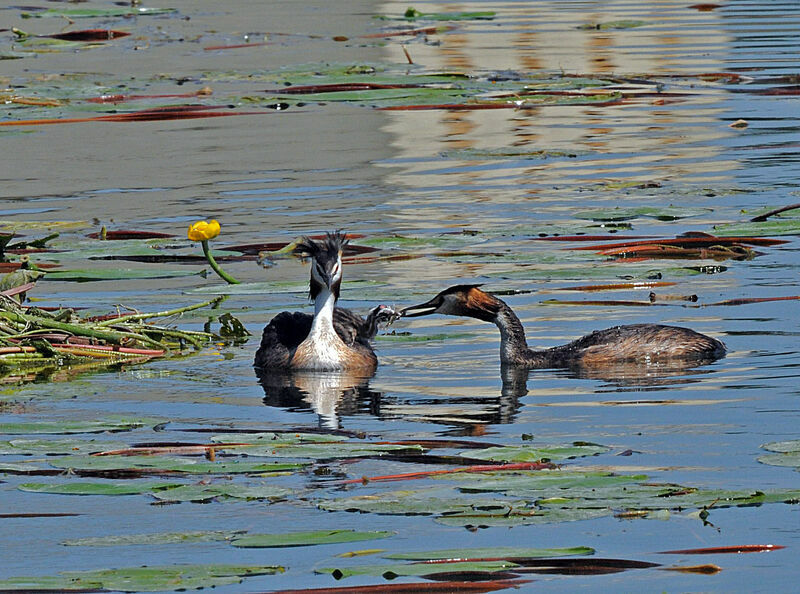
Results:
[635, 342]
[333, 338]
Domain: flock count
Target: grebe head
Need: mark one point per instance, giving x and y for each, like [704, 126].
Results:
[326, 262]
[458, 300]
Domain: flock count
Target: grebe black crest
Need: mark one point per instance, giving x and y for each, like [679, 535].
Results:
[333, 338]
[635, 342]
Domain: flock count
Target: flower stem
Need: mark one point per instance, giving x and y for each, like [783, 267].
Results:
[213, 263]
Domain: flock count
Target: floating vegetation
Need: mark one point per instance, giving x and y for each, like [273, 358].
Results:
[37, 340]
[784, 453]
[142, 579]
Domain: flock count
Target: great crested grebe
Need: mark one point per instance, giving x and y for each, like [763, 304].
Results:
[635, 342]
[333, 338]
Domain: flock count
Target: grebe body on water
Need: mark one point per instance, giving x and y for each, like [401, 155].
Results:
[643, 343]
[333, 338]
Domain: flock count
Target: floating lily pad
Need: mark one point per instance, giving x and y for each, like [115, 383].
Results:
[415, 502]
[277, 438]
[296, 539]
[90, 13]
[412, 14]
[325, 451]
[667, 213]
[65, 427]
[532, 453]
[169, 464]
[202, 493]
[785, 447]
[787, 453]
[418, 569]
[159, 538]
[142, 579]
[106, 488]
[613, 25]
[56, 446]
[775, 226]
[491, 553]
[106, 274]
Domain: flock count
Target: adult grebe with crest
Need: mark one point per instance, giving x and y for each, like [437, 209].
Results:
[644, 343]
[333, 338]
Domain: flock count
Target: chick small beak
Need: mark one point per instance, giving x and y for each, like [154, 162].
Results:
[423, 309]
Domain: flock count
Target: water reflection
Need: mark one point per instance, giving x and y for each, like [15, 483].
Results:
[335, 395]
[329, 394]
[632, 375]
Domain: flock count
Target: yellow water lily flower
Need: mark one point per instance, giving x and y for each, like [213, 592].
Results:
[203, 231]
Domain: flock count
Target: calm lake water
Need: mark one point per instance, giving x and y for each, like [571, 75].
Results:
[474, 190]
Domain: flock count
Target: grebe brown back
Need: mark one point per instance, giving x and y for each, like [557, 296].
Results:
[635, 342]
[333, 338]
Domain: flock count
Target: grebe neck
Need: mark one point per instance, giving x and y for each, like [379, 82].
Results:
[514, 348]
[322, 326]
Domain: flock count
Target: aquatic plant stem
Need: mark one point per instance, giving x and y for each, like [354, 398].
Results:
[213, 263]
[78, 330]
[162, 314]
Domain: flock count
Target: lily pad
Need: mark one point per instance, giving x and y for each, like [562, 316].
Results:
[66, 427]
[90, 13]
[105, 274]
[159, 538]
[143, 579]
[786, 453]
[525, 453]
[28, 447]
[417, 569]
[777, 226]
[202, 493]
[296, 539]
[491, 553]
[331, 450]
[106, 488]
[169, 464]
[667, 213]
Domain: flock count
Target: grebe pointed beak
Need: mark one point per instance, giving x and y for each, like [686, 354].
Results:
[423, 309]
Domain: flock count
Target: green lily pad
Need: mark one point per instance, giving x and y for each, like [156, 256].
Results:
[170, 464]
[143, 579]
[551, 481]
[276, 439]
[491, 553]
[202, 493]
[785, 459]
[105, 274]
[330, 450]
[417, 569]
[629, 24]
[785, 447]
[27, 447]
[409, 337]
[66, 427]
[776, 226]
[415, 502]
[159, 538]
[105, 488]
[412, 14]
[667, 213]
[519, 517]
[525, 453]
[296, 539]
[89, 13]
